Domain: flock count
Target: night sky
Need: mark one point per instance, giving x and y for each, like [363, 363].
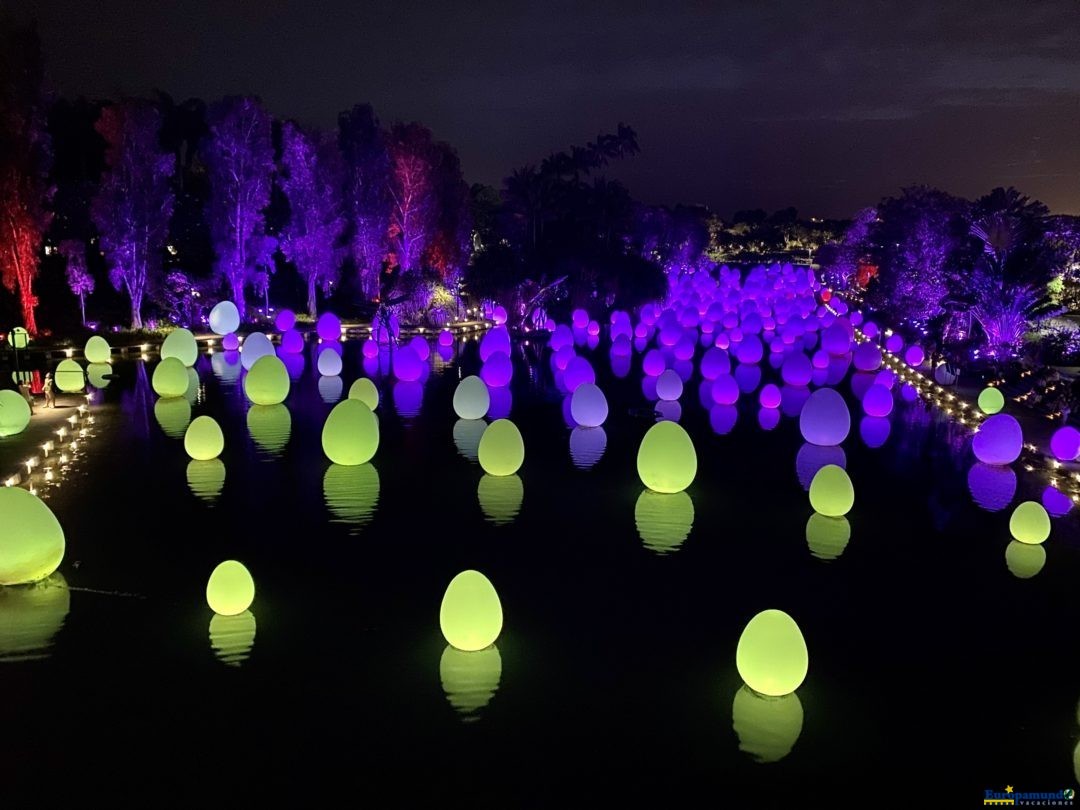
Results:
[763, 103]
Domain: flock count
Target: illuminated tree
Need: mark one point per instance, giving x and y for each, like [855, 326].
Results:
[367, 192]
[414, 209]
[450, 248]
[240, 162]
[312, 181]
[79, 279]
[25, 158]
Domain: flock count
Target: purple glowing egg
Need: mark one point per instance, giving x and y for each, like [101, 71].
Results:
[820, 360]
[420, 345]
[370, 349]
[408, 367]
[497, 370]
[669, 385]
[685, 347]
[874, 431]
[796, 369]
[914, 356]
[653, 364]
[1065, 443]
[446, 338]
[768, 418]
[877, 401]
[725, 391]
[750, 350]
[496, 340]
[285, 320]
[593, 328]
[648, 388]
[793, 398]
[999, 440]
[908, 392]
[562, 336]
[748, 377]
[870, 329]
[230, 342]
[498, 315]
[722, 418]
[824, 419]
[561, 358]
[867, 357]
[1056, 502]
[292, 342]
[886, 377]
[621, 346]
[684, 368]
[860, 383]
[836, 339]
[328, 326]
[715, 362]
[894, 343]
[769, 396]
[578, 371]
[991, 487]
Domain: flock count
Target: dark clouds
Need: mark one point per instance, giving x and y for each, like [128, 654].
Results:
[826, 106]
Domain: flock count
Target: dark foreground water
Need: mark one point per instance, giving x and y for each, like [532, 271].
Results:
[931, 663]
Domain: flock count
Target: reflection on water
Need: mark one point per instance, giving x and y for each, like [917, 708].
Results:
[467, 433]
[722, 418]
[768, 418]
[991, 487]
[1024, 560]
[330, 388]
[664, 520]
[352, 493]
[294, 364]
[812, 457]
[500, 497]
[502, 402]
[587, 446]
[96, 374]
[269, 426]
[174, 416]
[232, 637]
[408, 397]
[874, 431]
[193, 386]
[767, 727]
[669, 409]
[226, 367]
[206, 478]
[30, 615]
[470, 679]
[827, 537]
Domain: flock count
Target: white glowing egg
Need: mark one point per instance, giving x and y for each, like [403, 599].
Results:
[472, 398]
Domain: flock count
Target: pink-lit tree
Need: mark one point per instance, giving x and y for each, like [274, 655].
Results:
[367, 192]
[312, 181]
[24, 163]
[414, 209]
[79, 279]
[132, 208]
[240, 163]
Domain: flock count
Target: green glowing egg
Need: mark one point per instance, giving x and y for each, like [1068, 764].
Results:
[666, 459]
[180, 343]
[30, 615]
[831, 491]
[1024, 560]
[771, 656]
[31, 539]
[767, 727]
[19, 337]
[174, 415]
[204, 439]
[991, 400]
[14, 413]
[206, 479]
[663, 519]
[232, 637]
[230, 590]
[351, 493]
[470, 679]
[270, 427]
[827, 537]
[500, 497]
[69, 376]
[267, 383]
[97, 374]
[471, 615]
[97, 350]
[364, 390]
[1030, 523]
[351, 433]
[502, 450]
[472, 398]
[170, 378]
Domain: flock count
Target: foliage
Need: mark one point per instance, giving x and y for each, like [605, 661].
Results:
[367, 192]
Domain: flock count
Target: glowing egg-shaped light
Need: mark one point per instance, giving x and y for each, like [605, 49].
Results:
[664, 520]
[329, 363]
[472, 398]
[69, 376]
[836, 339]
[714, 362]
[173, 414]
[827, 537]
[771, 656]
[825, 419]
[370, 348]
[97, 350]
[667, 460]
[350, 434]
[364, 390]
[170, 378]
[230, 589]
[203, 439]
[991, 400]
[894, 343]
[831, 491]
[725, 390]
[231, 342]
[501, 450]
[497, 370]
[270, 427]
[422, 348]
[769, 396]
[669, 385]
[30, 616]
[589, 406]
[796, 369]
[1030, 523]
[285, 320]
[408, 366]
[224, 318]
[19, 338]
[999, 440]
[767, 727]
[653, 363]
[446, 338]
[471, 615]
[1023, 559]
[877, 401]
[500, 497]
[351, 494]
[1065, 443]
[580, 318]
[267, 382]
[292, 342]
[578, 371]
[496, 340]
[470, 679]
[31, 539]
[914, 356]
[180, 343]
[256, 345]
[867, 357]
[14, 413]
[328, 327]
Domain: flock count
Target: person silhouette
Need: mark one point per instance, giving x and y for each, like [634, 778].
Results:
[50, 393]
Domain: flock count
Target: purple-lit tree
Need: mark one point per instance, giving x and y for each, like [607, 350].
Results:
[262, 258]
[240, 163]
[311, 179]
[367, 192]
[79, 279]
[134, 202]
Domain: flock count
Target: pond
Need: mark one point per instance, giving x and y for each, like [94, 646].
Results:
[929, 659]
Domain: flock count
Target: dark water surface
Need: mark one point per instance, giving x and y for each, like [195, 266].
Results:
[930, 662]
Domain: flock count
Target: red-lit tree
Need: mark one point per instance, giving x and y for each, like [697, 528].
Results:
[449, 250]
[135, 200]
[24, 163]
[240, 163]
[311, 178]
[367, 192]
[414, 209]
[79, 279]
